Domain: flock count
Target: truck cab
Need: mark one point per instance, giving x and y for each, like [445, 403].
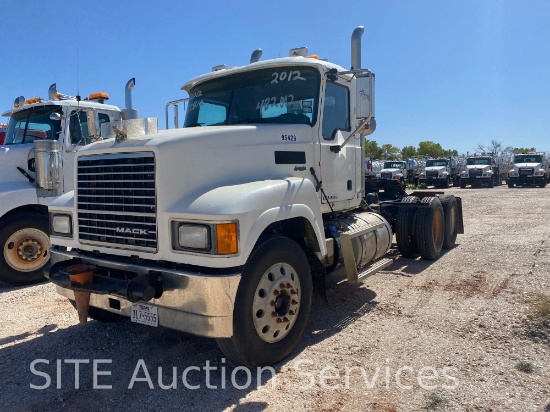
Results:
[529, 169]
[227, 227]
[482, 170]
[438, 172]
[60, 120]
[395, 170]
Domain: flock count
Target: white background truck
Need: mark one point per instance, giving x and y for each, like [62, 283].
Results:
[483, 170]
[529, 169]
[24, 197]
[228, 227]
[442, 172]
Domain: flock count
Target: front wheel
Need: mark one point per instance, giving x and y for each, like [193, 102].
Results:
[272, 305]
[510, 184]
[462, 184]
[25, 249]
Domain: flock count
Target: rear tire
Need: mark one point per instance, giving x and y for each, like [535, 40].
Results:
[263, 306]
[404, 228]
[450, 209]
[101, 315]
[462, 184]
[25, 248]
[430, 229]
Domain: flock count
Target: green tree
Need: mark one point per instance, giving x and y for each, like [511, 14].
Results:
[429, 148]
[390, 152]
[519, 150]
[408, 151]
[372, 149]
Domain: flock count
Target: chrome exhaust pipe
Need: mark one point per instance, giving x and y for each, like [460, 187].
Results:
[356, 47]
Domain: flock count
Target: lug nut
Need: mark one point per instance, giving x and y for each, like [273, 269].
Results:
[288, 285]
[293, 292]
[285, 320]
[272, 303]
[274, 314]
[276, 293]
[291, 312]
[279, 320]
[282, 286]
[294, 302]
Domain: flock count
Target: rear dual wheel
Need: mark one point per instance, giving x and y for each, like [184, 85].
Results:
[429, 228]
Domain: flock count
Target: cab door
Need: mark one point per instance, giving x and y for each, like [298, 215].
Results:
[339, 172]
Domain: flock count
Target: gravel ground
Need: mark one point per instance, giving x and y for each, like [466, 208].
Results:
[454, 334]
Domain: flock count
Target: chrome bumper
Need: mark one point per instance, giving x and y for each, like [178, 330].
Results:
[191, 302]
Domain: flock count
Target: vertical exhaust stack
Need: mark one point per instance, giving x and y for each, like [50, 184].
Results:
[129, 113]
[356, 47]
[256, 54]
[52, 91]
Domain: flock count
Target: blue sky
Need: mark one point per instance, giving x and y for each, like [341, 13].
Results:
[455, 72]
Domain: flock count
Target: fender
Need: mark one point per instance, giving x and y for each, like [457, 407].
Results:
[16, 194]
[257, 205]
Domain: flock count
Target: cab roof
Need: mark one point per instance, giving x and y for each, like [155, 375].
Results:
[321, 65]
[64, 103]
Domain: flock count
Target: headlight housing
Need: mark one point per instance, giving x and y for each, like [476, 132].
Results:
[61, 224]
[512, 172]
[211, 238]
[464, 173]
[539, 172]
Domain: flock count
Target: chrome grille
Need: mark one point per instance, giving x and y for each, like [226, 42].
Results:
[526, 171]
[432, 173]
[386, 175]
[116, 200]
[476, 172]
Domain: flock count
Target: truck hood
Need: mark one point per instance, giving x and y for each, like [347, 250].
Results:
[434, 168]
[12, 157]
[534, 165]
[193, 161]
[478, 167]
[391, 171]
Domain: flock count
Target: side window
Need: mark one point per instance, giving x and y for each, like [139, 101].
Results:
[335, 110]
[78, 126]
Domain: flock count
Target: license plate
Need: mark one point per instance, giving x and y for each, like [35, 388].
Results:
[145, 314]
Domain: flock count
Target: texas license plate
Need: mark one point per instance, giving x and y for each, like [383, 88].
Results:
[145, 314]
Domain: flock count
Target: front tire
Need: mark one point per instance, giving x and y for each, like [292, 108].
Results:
[25, 248]
[272, 305]
[510, 185]
[462, 184]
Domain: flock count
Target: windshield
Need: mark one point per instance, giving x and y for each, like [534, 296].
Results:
[275, 95]
[437, 162]
[393, 165]
[33, 124]
[478, 161]
[528, 159]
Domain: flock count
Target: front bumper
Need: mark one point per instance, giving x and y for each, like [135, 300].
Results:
[189, 301]
[526, 179]
[476, 179]
[432, 180]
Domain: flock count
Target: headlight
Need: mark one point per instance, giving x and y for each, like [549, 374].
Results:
[540, 172]
[464, 174]
[489, 173]
[61, 225]
[213, 238]
[512, 172]
[378, 175]
[192, 236]
[422, 174]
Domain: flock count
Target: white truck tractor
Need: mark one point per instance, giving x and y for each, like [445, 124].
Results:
[482, 170]
[529, 169]
[38, 154]
[442, 172]
[395, 170]
[228, 227]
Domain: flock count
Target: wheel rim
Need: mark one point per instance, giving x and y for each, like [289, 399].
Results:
[276, 302]
[438, 225]
[27, 250]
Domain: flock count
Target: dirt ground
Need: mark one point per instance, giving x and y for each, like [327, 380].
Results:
[456, 334]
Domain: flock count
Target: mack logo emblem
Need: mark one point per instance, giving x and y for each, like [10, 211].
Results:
[132, 231]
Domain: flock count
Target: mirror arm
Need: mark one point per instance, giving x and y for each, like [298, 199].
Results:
[364, 123]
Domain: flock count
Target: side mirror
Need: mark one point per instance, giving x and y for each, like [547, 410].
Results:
[93, 123]
[55, 116]
[365, 96]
